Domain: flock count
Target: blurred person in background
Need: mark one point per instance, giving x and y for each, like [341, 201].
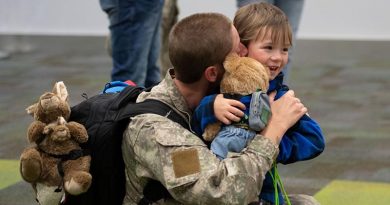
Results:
[134, 39]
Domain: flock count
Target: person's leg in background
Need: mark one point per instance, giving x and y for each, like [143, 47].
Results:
[241, 3]
[134, 26]
[153, 74]
[293, 10]
[169, 18]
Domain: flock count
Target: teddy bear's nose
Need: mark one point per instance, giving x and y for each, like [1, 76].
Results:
[61, 134]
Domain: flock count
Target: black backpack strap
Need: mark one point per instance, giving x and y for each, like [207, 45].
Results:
[153, 192]
[129, 94]
[153, 107]
[168, 112]
[72, 155]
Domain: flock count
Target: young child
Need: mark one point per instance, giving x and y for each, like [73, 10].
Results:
[266, 33]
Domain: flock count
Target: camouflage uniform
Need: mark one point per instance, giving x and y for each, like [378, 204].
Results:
[156, 148]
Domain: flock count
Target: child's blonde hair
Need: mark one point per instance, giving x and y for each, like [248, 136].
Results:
[254, 21]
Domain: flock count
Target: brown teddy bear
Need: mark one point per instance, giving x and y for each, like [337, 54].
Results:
[56, 163]
[51, 105]
[243, 76]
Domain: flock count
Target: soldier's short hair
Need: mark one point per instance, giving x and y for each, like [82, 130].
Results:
[197, 42]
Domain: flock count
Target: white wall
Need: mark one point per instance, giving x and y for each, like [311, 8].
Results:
[58, 17]
[345, 19]
[321, 19]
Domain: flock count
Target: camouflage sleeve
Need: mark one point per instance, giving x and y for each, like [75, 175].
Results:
[192, 173]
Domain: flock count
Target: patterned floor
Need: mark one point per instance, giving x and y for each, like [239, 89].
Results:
[343, 83]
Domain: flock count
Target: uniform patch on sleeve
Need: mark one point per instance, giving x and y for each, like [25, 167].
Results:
[185, 162]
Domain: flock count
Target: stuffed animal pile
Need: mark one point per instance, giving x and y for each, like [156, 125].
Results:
[54, 164]
[243, 76]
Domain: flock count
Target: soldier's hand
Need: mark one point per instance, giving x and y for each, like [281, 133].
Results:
[286, 111]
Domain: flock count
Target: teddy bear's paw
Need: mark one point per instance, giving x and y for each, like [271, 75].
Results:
[35, 131]
[208, 136]
[211, 131]
[79, 183]
[30, 165]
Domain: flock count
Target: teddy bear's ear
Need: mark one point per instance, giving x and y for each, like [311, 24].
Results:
[60, 90]
[231, 62]
[31, 109]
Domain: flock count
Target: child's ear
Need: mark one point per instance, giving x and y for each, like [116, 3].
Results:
[243, 50]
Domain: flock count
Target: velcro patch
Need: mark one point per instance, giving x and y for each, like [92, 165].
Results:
[185, 162]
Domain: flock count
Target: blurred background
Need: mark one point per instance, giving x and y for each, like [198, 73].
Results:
[321, 19]
[340, 71]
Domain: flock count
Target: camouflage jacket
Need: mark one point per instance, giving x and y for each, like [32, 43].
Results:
[155, 147]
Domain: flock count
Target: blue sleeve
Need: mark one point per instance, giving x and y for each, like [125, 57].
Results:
[301, 142]
[203, 115]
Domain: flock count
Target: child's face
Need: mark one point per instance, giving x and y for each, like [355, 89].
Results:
[272, 55]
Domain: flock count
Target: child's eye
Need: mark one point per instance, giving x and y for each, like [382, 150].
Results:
[268, 47]
[285, 49]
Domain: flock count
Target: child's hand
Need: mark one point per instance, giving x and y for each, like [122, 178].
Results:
[228, 110]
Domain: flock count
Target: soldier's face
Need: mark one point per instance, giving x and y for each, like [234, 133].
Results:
[237, 47]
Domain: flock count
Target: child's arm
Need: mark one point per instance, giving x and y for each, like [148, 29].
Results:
[213, 108]
[301, 142]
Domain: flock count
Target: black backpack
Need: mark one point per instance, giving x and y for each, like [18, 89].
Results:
[106, 116]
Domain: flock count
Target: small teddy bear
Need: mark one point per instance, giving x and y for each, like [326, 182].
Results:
[56, 163]
[51, 105]
[244, 78]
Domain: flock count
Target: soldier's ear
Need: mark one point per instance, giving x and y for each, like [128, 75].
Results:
[211, 73]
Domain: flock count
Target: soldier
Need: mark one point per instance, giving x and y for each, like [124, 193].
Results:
[155, 148]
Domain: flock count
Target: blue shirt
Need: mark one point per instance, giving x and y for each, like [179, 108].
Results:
[303, 141]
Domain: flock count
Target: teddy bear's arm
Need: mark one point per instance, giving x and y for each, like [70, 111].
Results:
[211, 131]
[35, 131]
[78, 131]
[65, 109]
[31, 109]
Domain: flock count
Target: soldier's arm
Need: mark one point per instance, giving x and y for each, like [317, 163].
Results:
[192, 173]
